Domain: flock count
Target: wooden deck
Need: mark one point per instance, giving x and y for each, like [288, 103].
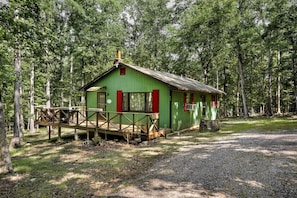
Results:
[127, 124]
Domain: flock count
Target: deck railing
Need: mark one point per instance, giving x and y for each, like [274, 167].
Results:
[95, 118]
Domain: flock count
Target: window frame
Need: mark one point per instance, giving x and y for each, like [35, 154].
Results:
[147, 102]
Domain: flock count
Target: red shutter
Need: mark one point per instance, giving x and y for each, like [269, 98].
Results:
[119, 101]
[155, 101]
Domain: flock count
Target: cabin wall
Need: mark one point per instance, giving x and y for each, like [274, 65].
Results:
[182, 119]
[132, 81]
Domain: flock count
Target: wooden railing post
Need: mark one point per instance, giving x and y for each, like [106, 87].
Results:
[59, 134]
[108, 121]
[120, 119]
[77, 118]
[49, 132]
[96, 135]
[148, 123]
[133, 124]
[87, 119]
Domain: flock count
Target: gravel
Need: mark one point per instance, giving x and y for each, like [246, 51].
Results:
[250, 164]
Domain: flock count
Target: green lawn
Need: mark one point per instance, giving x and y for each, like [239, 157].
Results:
[69, 168]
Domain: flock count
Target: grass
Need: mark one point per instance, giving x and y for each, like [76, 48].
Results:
[69, 168]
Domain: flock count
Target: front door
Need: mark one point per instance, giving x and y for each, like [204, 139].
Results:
[101, 101]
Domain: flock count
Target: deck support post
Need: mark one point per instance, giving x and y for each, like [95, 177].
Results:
[96, 134]
[59, 134]
[148, 127]
[75, 134]
[49, 132]
[88, 136]
[133, 122]
[77, 118]
[120, 119]
[108, 121]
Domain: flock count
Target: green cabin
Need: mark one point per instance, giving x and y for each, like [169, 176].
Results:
[179, 102]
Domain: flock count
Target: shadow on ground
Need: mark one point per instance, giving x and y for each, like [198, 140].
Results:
[240, 165]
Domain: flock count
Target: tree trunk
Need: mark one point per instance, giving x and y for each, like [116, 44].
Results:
[270, 65]
[5, 160]
[205, 73]
[294, 71]
[16, 140]
[31, 102]
[22, 122]
[48, 94]
[294, 68]
[225, 90]
[278, 93]
[237, 111]
[242, 81]
[82, 98]
[62, 80]
[71, 82]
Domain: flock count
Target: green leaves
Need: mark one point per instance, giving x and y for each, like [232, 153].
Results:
[73, 41]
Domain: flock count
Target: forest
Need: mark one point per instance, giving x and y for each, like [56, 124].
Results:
[50, 49]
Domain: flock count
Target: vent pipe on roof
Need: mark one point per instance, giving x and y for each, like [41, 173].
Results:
[118, 54]
[118, 58]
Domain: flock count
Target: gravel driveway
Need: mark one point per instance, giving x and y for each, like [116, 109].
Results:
[246, 164]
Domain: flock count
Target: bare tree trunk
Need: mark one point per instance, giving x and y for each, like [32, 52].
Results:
[62, 80]
[225, 90]
[270, 65]
[22, 122]
[82, 98]
[31, 103]
[205, 73]
[278, 93]
[71, 81]
[48, 93]
[16, 140]
[242, 81]
[5, 159]
[237, 102]
[294, 68]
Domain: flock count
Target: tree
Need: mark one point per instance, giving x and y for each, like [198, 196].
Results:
[5, 160]
[148, 24]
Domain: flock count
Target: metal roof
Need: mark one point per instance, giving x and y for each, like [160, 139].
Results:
[178, 82]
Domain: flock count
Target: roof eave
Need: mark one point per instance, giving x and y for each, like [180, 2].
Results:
[88, 85]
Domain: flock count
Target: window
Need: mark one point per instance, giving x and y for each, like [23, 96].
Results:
[122, 71]
[189, 102]
[203, 99]
[137, 101]
[214, 101]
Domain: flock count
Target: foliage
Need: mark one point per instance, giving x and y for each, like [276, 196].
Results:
[70, 42]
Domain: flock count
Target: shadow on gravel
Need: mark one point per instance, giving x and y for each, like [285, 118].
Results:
[240, 165]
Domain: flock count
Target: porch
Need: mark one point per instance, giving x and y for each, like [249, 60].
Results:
[130, 125]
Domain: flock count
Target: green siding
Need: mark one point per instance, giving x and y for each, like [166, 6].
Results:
[185, 119]
[133, 81]
[92, 99]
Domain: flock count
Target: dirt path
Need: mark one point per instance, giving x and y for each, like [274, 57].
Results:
[241, 165]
